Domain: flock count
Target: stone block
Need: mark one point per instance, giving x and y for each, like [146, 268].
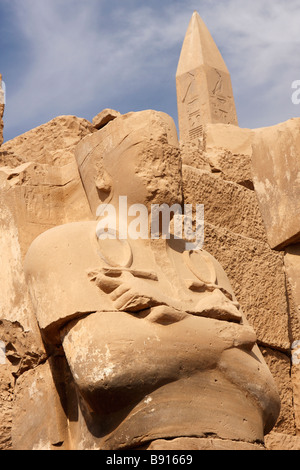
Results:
[292, 267]
[258, 280]
[276, 171]
[296, 388]
[280, 367]
[280, 441]
[51, 143]
[226, 204]
[104, 118]
[38, 416]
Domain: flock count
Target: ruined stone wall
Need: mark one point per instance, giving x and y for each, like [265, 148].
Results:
[40, 188]
[40, 179]
[219, 174]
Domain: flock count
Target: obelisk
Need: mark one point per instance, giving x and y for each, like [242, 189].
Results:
[2, 103]
[204, 89]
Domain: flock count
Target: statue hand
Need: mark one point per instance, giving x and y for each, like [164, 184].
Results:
[128, 289]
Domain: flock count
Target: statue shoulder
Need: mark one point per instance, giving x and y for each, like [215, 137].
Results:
[57, 268]
[60, 246]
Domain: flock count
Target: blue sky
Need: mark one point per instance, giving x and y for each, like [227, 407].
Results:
[78, 57]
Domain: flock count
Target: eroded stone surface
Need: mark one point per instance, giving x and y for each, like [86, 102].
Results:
[37, 398]
[296, 390]
[229, 151]
[164, 346]
[279, 441]
[86, 288]
[292, 267]
[224, 150]
[52, 143]
[15, 302]
[258, 279]
[39, 177]
[227, 205]
[104, 118]
[23, 352]
[276, 170]
[280, 366]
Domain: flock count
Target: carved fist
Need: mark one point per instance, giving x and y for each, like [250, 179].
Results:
[128, 289]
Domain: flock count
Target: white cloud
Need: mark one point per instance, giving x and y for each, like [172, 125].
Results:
[261, 43]
[84, 55]
[76, 57]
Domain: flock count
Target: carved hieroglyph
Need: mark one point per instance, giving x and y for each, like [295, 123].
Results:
[204, 90]
[2, 100]
[156, 344]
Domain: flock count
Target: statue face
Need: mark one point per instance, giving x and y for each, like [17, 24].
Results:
[133, 157]
[144, 172]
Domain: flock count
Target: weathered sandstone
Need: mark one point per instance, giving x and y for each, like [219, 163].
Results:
[137, 377]
[52, 143]
[137, 343]
[276, 170]
[104, 118]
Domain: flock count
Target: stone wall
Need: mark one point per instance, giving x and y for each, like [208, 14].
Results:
[40, 188]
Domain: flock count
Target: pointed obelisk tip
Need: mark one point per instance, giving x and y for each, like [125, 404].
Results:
[204, 90]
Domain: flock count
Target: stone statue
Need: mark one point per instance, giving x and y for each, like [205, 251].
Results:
[158, 352]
